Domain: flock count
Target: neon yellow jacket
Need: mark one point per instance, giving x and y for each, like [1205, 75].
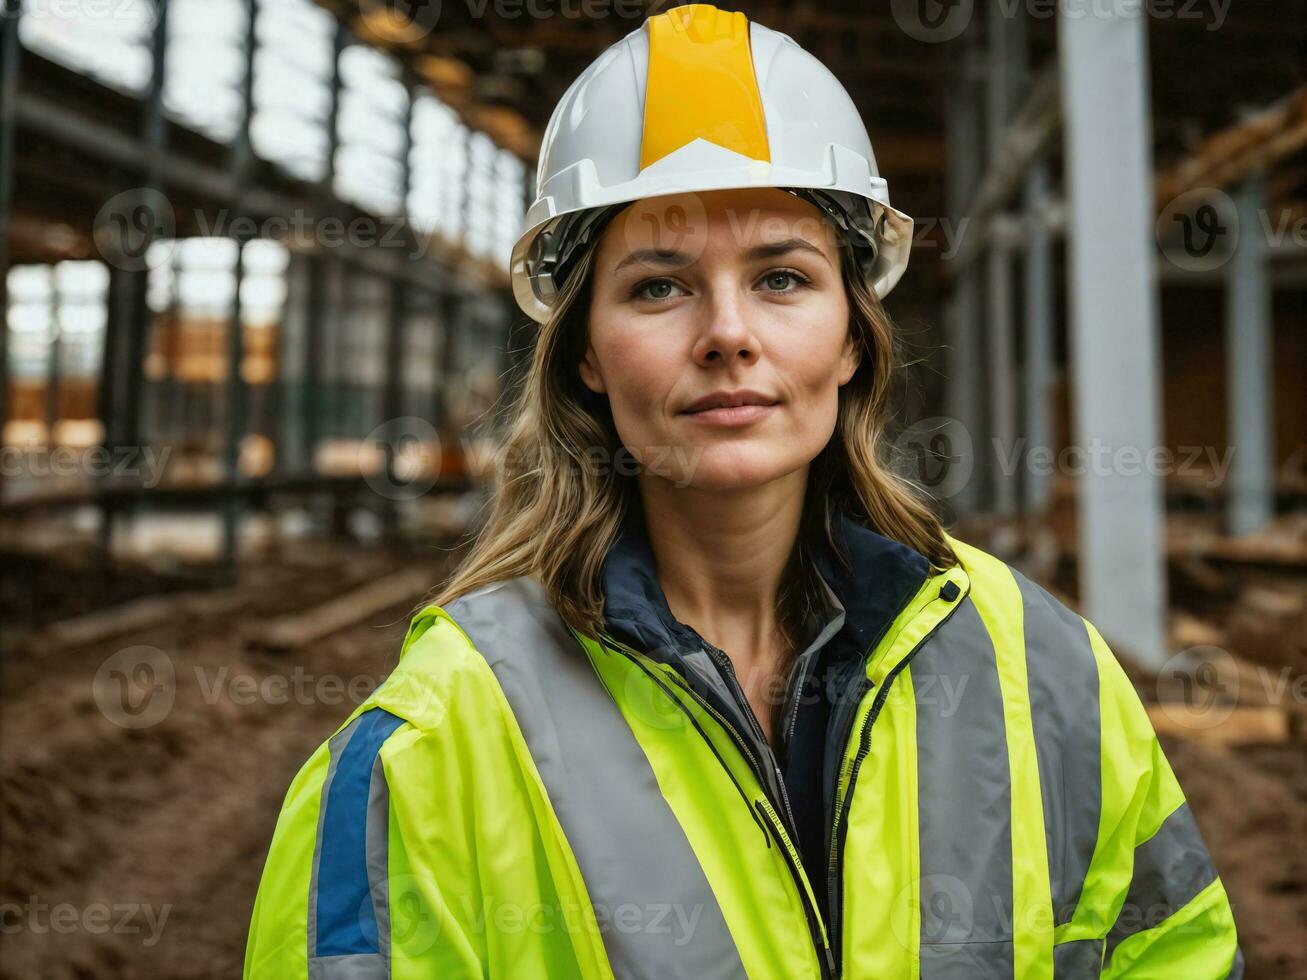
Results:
[519, 801]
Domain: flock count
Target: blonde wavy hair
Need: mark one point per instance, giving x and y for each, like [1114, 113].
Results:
[553, 513]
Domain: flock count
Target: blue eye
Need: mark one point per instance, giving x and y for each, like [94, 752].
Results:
[639, 291]
[799, 278]
[643, 290]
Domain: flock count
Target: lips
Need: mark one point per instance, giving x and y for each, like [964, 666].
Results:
[729, 399]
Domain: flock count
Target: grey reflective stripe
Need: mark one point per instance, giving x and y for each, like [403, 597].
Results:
[1077, 959]
[631, 849]
[1170, 868]
[1062, 677]
[357, 966]
[964, 808]
[335, 746]
[377, 849]
[1236, 968]
[968, 961]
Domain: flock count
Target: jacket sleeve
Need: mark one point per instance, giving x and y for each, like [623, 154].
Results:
[1152, 882]
[344, 890]
[419, 841]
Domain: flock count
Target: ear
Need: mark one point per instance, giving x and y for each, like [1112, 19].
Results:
[850, 357]
[589, 371]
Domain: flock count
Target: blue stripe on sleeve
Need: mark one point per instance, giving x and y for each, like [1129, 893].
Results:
[347, 922]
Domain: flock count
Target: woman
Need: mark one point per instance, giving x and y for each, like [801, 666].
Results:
[714, 695]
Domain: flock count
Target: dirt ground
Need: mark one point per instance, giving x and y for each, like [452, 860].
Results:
[133, 842]
[136, 851]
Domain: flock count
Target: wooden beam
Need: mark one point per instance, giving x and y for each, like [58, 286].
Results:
[1232, 154]
[299, 630]
[1212, 726]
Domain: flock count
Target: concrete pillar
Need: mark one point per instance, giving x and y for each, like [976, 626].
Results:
[1250, 498]
[1038, 369]
[1002, 374]
[1114, 353]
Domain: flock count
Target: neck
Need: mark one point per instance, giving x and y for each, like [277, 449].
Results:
[721, 557]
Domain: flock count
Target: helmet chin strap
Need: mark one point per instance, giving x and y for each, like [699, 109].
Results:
[553, 252]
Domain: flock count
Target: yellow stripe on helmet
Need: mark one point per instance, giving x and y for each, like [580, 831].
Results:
[701, 83]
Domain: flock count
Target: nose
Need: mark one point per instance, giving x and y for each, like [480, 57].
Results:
[726, 333]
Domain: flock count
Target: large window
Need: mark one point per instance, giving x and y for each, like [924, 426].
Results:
[481, 192]
[107, 41]
[361, 350]
[510, 206]
[56, 320]
[439, 168]
[205, 65]
[293, 69]
[65, 305]
[371, 131]
[192, 287]
[453, 172]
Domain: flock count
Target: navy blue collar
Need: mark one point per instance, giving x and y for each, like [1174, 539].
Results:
[881, 577]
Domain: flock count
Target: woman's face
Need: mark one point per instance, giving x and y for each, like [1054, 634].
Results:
[728, 290]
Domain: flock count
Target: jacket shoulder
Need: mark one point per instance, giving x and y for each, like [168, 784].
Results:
[442, 673]
[1007, 598]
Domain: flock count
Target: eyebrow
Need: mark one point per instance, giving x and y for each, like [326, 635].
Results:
[767, 250]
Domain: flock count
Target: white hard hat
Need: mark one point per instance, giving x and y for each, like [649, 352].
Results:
[695, 99]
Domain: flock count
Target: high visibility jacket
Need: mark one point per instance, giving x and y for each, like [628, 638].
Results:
[517, 800]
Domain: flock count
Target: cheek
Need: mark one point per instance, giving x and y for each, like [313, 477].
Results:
[639, 372]
[811, 360]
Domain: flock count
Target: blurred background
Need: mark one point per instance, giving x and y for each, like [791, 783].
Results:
[253, 269]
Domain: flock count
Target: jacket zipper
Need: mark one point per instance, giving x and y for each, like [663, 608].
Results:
[723, 660]
[794, 711]
[820, 936]
[834, 872]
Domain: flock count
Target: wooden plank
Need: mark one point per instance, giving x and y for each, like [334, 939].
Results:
[298, 630]
[106, 624]
[1227, 157]
[1220, 726]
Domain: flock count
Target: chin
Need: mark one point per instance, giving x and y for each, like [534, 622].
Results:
[718, 470]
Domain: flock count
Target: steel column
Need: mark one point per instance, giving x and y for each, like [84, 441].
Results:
[242, 157]
[963, 403]
[9, 62]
